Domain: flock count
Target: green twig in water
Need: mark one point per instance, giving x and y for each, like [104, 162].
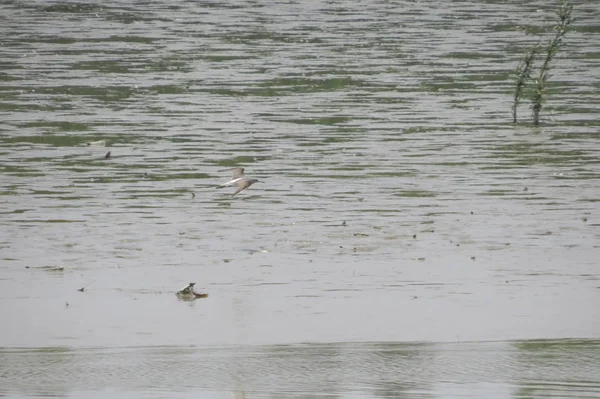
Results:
[564, 20]
[523, 74]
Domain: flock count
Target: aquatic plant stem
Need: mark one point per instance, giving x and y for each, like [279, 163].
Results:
[564, 19]
[523, 74]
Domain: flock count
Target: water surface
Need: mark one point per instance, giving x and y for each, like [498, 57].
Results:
[399, 204]
[520, 369]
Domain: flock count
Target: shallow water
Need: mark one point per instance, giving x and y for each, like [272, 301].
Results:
[520, 369]
[398, 202]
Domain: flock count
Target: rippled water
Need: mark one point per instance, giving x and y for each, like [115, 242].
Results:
[521, 369]
[398, 202]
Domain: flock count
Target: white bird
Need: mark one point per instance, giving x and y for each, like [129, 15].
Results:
[240, 180]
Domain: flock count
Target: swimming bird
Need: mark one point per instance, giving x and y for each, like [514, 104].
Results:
[188, 292]
[240, 180]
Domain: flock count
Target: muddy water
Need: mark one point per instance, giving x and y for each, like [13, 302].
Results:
[397, 203]
[520, 369]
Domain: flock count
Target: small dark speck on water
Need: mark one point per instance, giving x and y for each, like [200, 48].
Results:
[584, 219]
[472, 258]
[107, 156]
[525, 189]
[82, 289]
[193, 195]
[414, 236]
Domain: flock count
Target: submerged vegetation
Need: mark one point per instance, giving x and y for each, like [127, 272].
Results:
[524, 69]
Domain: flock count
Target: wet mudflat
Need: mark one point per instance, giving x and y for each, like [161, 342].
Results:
[405, 239]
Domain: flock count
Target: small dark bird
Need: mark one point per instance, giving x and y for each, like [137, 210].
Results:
[107, 156]
[239, 180]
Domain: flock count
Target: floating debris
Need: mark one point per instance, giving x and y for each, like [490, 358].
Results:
[82, 289]
[101, 143]
[255, 251]
[107, 156]
[187, 293]
[360, 235]
[48, 268]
